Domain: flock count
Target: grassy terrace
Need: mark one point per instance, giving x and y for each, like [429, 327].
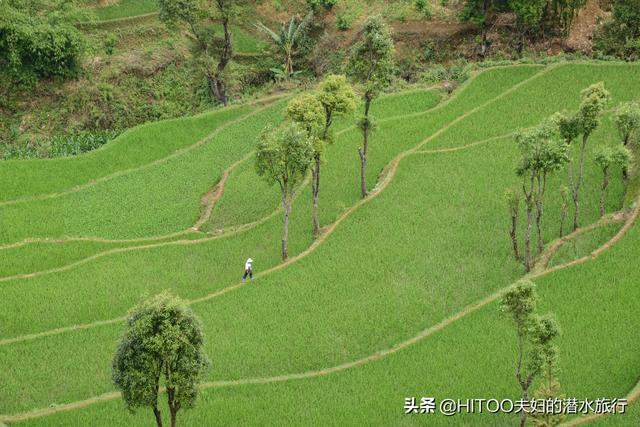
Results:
[353, 295]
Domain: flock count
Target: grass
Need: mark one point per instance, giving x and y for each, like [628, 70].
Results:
[356, 293]
[125, 9]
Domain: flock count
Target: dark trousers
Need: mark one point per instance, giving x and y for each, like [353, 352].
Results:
[248, 272]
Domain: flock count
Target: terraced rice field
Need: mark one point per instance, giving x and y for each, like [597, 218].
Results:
[397, 298]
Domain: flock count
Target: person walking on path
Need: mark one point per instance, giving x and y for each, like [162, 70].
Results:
[248, 270]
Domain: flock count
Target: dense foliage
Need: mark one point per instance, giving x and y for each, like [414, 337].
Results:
[38, 39]
[620, 37]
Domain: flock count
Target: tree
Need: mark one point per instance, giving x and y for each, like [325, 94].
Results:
[513, 203]
[627, 120]
[162, 343]
[480, 12]
[564, 207]
[283, 156]
[286, 40]
[529, 16]
[371, 64]
[542, 152]
[200, 18]
[308, 111]
[534, 336]
[549, 387]
[336, 97]
[594, 102]
[38, 39]
[605, 157]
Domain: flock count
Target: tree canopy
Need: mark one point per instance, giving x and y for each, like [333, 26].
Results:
[38, 39]
[162, 343]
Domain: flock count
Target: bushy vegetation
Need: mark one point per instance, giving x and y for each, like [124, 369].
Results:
[38, 40]
[620, 37]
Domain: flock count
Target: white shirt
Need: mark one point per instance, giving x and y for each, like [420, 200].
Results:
[247, 265]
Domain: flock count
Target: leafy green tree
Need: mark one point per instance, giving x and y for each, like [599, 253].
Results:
[529, 14]
[627, 120]
[308, 111]
[512, 198]
[542, 152]
[480, 13]
[336, 96]
[162, 344]
[283, 156]
[199, 18]
[606, 157]
[38, 39]
[594, 101]
[286, 40]
[371, 64]
[535, 336]
[549, 387]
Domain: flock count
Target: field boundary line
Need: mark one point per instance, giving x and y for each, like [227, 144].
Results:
[206, 139]
[631, 397]
[197, 225]
[380, 354]
[387, 175]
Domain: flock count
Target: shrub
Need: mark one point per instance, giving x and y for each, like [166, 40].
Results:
[620, 37]
[344, 21]
[38, 39]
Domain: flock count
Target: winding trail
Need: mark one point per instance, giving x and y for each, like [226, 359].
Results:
[365, 360]
[386, 177]
[266, 101]
[209, 199]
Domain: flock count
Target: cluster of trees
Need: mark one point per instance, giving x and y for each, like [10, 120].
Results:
[38, 39]
[537, 355]
[546, 148]
[620, 36]
[534, 18]
[285, 154]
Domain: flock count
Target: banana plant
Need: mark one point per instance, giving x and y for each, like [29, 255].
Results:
[286, 40]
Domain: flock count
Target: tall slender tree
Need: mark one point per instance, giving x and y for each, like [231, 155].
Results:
[627, 120]
[535, 336]
[162, 344]
[606, 157]
[542, 152]
[594, 101]
[337, 98]
[371, 64]
[308, 111]
[283, 156]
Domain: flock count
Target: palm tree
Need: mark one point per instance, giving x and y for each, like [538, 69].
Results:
[286, 39]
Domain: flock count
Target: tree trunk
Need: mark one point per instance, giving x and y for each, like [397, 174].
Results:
[216, 82]
[174, 406]
[363, 151]
[315, 188]
[523, 414]
[514, 235]
[578, 184]
[603, 193]
[156, 411]
[286, 206]
[158, 415]
[625, 169]
[527, 236]
[564, 211]
[540, 210]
